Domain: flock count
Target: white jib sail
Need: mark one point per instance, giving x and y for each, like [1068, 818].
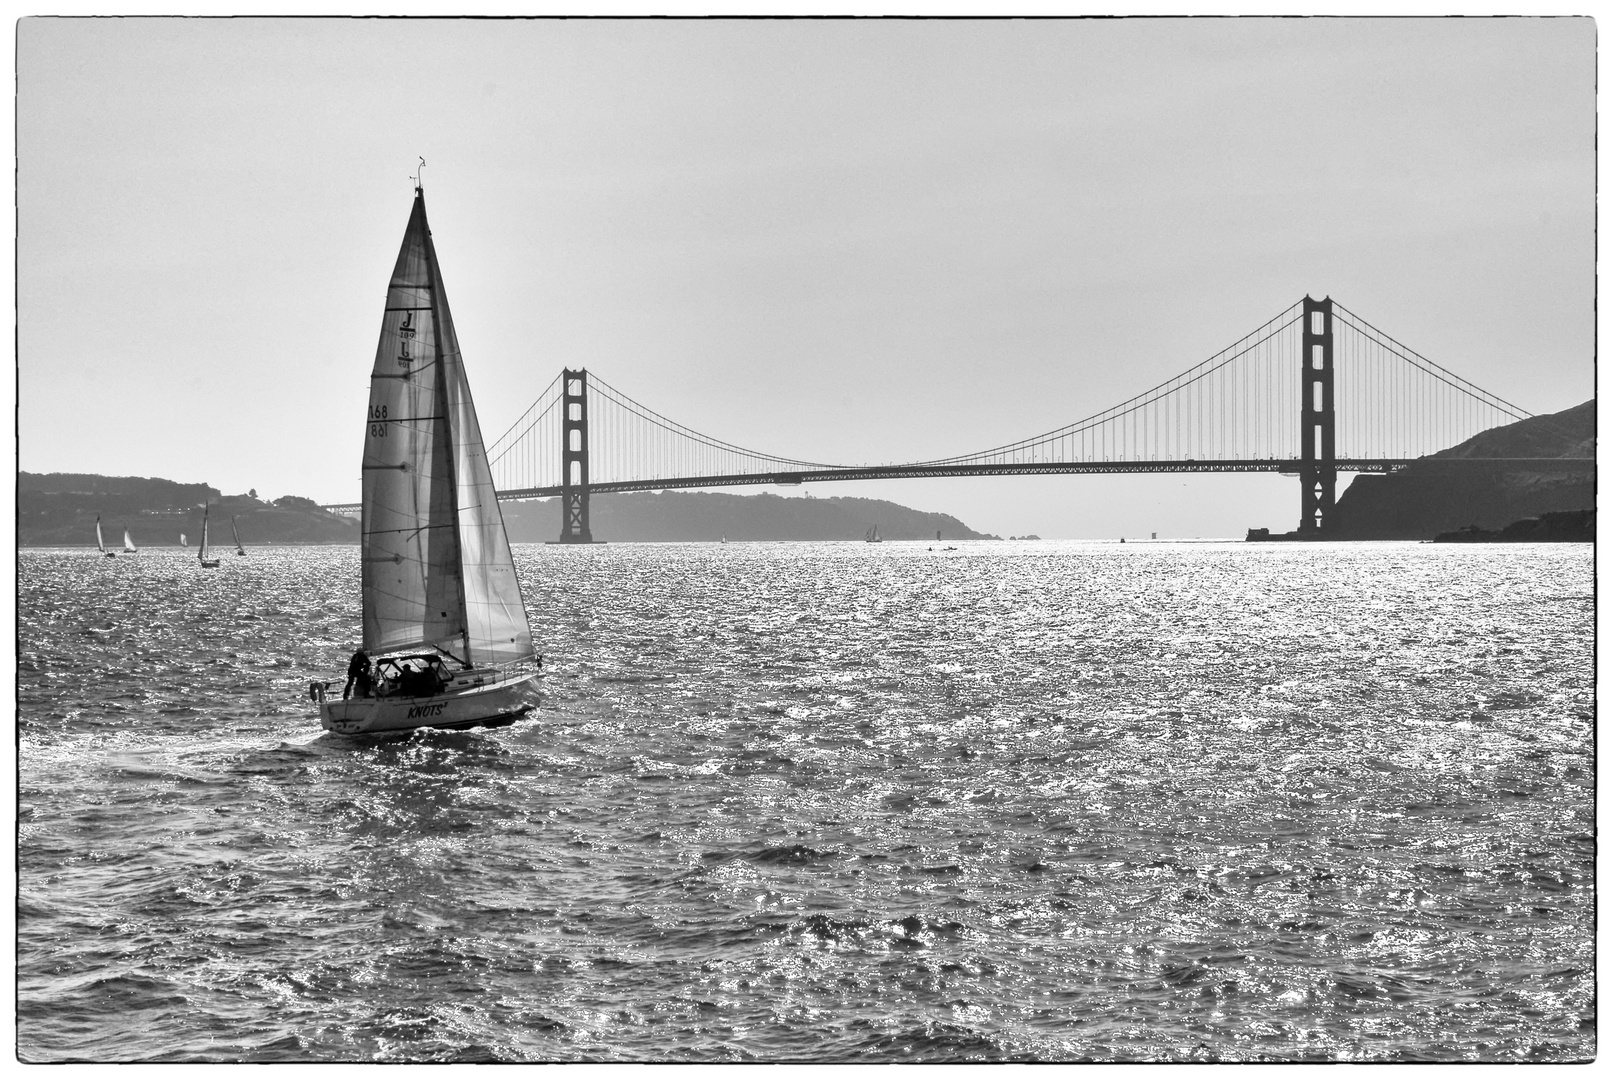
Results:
[128, 545]
[99, 543]
[437, 568]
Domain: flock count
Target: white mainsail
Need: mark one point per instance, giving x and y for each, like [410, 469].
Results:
[437, 569]
[100, 545]
[239, 550]
[128, 545]
[203, 552]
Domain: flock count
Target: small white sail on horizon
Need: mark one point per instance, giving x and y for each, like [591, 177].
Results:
[128, 545]
[100, 545]
[202, 551]
[239, 550]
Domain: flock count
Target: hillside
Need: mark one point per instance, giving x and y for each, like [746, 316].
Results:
[1564, 526]
[698, 515]
[61, 508]
[1428, 498]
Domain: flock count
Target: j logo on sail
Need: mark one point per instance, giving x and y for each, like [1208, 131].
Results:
[406, 333]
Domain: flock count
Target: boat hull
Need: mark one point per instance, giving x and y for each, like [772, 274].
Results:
[494, 705]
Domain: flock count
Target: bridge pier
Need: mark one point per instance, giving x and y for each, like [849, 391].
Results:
[574, 458]
[1318, 468]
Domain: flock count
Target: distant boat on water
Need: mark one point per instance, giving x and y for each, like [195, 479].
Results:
[872, 536]
[207, 564]
[182, 541]
[128, 545]
[239, 550]
[99, 543]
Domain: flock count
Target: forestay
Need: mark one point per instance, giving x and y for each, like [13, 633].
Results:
[437, 570]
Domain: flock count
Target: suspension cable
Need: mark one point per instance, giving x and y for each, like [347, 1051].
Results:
[1147, 397]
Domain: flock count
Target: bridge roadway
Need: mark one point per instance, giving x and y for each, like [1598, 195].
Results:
[1289, 466]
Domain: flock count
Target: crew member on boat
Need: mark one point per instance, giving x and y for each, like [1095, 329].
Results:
[358, 671]
[411, 676]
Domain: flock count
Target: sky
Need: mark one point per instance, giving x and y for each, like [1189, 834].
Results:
[847, 241]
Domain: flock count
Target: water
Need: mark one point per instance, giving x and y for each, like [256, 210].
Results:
[783, 802]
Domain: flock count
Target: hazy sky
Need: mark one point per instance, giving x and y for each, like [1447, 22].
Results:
[838, 241]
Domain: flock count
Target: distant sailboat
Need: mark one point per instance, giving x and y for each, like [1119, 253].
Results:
[182, 541]
[201, 553]
[99, 543]
[128, 545]
[872, 536]
[445, 627]
[239, 550]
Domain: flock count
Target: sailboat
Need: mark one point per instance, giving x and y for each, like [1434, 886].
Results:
[101, 544]
[201, 553]
[872, 535]
[128, 545]
[239, 550]
[446, 638]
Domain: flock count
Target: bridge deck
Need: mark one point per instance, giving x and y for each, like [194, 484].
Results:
[901, 472]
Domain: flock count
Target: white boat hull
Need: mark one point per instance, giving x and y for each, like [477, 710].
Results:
[493, 705]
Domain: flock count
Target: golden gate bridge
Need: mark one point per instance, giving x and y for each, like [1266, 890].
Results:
[1314, 391]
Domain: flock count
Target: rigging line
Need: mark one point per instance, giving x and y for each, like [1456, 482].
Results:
[1391, 344]
[1130, 405]
[412, 530]
[405, 420]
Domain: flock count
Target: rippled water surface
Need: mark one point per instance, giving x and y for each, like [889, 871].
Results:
[1037, 801]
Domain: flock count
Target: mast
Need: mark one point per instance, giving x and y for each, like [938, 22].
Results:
[443, 411]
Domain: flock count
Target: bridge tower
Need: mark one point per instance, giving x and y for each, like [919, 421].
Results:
[1318, 476]
[574, 458]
